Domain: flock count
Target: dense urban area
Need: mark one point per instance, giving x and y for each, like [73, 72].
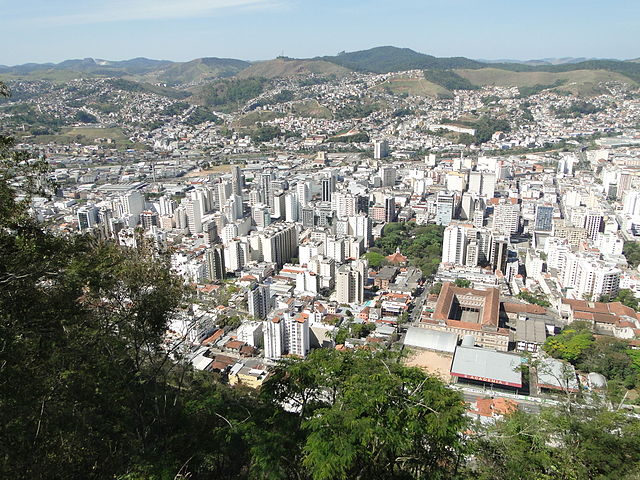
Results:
[313, 270]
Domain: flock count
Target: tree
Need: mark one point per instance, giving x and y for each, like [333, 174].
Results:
[631, 252]
[376, 260]
[462, 283]
[559, 444]
[364, 415]
[436, 288]
[571, 343]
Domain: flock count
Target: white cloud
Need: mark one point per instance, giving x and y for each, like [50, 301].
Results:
[128, 10]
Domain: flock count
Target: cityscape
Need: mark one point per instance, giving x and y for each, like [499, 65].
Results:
[378, 264]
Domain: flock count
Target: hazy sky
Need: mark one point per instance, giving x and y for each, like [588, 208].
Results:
[55, 30]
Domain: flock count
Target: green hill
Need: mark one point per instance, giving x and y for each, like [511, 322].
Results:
[581, 82]
[197, 71]
[419, 86]
[288, 67]
[394, 59]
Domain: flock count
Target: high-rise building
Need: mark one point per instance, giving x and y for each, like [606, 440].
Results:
[390, 209]
[87, 217]
[499, 253]
[279, 205]
[266, 189]
[279, 243]
[237, 180]
[345, 204]
[482, 184]
[362, 203]
[274, 337]
[286, 333]
[166, 206]
[236, 255]
[445, 208]
[148, 219]
[593, 223]
[133, 203]
[194, 210]
[631, 204]
[180, 218]
[506, 218]
[350, 280]
[261, 215]
[223, 191]
[584, 275]
[303, 194]
[361, 226]
[308, 217]
[259, 300]
[380, 149]
[215, 263]
[291, 207]
[328, 185]
[388, 176]
[296, 335]
[544, 218]
[454, 244]
[255, 197]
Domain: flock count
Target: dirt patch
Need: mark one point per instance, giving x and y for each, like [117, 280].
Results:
[435, 363]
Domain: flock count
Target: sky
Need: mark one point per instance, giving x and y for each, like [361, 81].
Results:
[55, 30]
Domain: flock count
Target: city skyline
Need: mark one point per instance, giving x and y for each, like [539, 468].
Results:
[262, 29]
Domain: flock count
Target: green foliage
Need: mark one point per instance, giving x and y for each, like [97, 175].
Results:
[175, 109]
[421, 244]
[283, 97]
[608, 356]
[201, 115]
[364, 415]
[85, 117]
[559, 444]
[527, 115]
[577, 109]
[27, 114]
[449, 80]
[632, 253]
[487, 126]
[129, 86]
[527, 91]
[628, 298]
[436, 288]
[489, 99]
[571, 343]
[355, 110]
[230, 93]
[535, 299]
[375, 259]
[462, 283]
[611, 357]
[266, 133]
[393, 59]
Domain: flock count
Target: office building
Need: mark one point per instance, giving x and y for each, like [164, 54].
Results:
[215, 263]
[380, 149]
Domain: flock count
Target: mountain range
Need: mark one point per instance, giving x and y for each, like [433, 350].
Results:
[384, 59]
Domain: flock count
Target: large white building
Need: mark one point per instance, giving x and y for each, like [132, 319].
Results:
[286, 332]
[585, 276]
[506, 218]
[350, 280]
[454, 244]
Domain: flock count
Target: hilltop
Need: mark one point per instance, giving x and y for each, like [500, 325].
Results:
[576, 75]
[287, 67]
